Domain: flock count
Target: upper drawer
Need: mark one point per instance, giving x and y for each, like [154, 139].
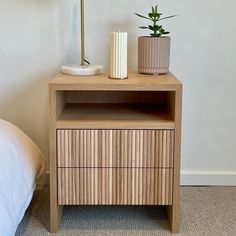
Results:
[115, 148]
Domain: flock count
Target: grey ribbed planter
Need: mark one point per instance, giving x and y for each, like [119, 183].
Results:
[153, 55]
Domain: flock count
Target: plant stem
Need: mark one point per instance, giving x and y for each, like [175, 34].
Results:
[155, 24]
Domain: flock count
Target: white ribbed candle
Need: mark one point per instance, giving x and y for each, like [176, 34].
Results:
[118, 55]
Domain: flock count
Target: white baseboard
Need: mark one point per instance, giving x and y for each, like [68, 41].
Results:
[193, 178]
[212, 178]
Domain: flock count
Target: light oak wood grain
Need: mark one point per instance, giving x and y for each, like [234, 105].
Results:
[123, 179]
[136, 82]
[55, 209]
[118, 148]
[117, 97]
[115, 142]
[173, 210]
[114, 116]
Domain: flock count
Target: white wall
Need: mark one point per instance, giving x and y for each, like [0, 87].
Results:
[35, 38]
[38, 36]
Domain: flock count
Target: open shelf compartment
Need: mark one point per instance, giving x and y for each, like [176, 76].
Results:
[115, 110]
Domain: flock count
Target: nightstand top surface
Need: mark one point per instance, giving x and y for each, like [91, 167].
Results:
[135, 81]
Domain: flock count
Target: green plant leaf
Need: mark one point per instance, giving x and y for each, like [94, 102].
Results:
[142, 16]
[159, 15]
[151, 15]
[156, 35]
[156, 15]
[151, 27]
[155, 27]
[156, 8]
[167, 17]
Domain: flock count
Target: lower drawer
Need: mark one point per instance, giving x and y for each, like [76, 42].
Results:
[114, 186]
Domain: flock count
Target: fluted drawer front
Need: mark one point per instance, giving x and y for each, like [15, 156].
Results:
[115, 148]
[114, 186]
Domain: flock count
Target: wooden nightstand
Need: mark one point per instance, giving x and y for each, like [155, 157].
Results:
[115, 142]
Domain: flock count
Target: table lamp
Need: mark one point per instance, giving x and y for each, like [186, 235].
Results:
[85, 68]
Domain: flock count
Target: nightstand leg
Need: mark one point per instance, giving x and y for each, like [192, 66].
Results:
[173, 215]
[55, 216]
[173, 210]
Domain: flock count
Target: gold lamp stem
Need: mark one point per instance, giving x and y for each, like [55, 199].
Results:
[82, 31]
[82, 70]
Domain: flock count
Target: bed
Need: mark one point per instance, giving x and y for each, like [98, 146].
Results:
[21, 163]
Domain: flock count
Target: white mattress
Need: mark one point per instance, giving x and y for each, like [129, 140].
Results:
[21, 162]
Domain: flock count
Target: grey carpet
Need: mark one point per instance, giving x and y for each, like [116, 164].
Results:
[205, 211]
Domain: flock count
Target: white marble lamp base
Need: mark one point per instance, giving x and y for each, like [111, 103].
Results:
[82, 70]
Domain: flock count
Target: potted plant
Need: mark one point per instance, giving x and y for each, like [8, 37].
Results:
[154, 50]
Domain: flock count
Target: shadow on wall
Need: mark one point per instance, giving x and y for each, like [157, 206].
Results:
[28, 109]
[37, 40]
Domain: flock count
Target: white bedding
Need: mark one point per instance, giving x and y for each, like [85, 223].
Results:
[21, 162]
